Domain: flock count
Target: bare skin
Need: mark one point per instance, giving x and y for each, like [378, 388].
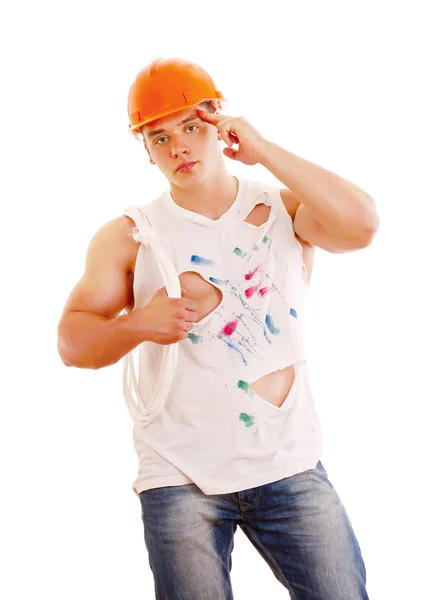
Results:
[94, 333]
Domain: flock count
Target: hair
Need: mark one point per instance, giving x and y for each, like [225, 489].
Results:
[207, 104]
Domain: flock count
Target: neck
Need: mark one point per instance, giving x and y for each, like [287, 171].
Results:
[211, 197]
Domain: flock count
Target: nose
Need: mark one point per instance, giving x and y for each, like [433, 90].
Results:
[178, 147]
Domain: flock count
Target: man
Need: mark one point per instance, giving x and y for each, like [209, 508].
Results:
[233, 436]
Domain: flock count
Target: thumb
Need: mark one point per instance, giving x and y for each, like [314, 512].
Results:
[231, 153]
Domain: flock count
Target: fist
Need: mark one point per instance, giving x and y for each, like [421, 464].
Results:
[169, 320]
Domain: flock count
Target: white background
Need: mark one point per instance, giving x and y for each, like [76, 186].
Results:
[355, 87]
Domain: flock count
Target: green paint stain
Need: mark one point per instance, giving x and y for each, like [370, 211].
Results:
[247, 419]
[256, 247]
[266, 239]
[240, 252]
[194, 338]
[243, 385]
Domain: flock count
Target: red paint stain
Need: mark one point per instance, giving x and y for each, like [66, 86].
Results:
[229, 328]
[249, 276]
[250, 291]
[266, 290]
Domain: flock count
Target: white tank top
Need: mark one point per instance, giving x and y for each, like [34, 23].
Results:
[212, 428]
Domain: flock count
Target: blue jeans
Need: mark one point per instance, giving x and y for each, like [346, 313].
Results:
[297, 524]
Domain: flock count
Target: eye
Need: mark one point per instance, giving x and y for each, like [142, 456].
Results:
[192, 126]
[159, 139]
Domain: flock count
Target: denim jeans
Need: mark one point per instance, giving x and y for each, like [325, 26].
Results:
[297, 524]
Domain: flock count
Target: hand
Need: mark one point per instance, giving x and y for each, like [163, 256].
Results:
[236, 130]
[169, 320]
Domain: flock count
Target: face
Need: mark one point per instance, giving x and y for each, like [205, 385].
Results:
[180, 138]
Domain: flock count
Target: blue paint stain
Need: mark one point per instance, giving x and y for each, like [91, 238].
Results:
[271, 326]
[269, 341]
[293, 312]
[199, 260]
[252, 315]
[233, 348]
[218, 281]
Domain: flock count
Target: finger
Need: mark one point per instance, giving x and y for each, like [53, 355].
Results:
[212, 118]
[191, 316]
[226, 129]
[227, 139]
[189, 304]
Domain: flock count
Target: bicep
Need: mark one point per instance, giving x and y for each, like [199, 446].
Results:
[106, 287]
[311, 232]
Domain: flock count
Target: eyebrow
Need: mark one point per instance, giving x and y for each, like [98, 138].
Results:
[157, 131]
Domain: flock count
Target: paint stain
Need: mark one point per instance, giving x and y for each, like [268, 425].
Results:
[243, 385]
[240, 252]
[271, 326]
[256, 247]
[250, 291]
[276, 289]
[230, 327]
[195, 339]
[267, 240]
[200, 260]
[251, 274]
[293, 312]
[265, 290]
[219, 281]
[251, 314]
[233, 347]
[247, 419]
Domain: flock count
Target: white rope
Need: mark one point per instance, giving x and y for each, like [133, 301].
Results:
[144, 410]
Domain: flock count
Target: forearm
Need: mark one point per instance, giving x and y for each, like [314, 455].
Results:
[88, 341]
[338, 204]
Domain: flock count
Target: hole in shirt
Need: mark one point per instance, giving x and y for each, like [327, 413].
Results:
[207, 296]
[259, 215]
[275, 387]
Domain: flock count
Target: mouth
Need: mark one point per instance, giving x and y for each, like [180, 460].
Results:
[186, 167]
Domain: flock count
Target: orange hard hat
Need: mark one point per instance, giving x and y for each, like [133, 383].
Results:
[167, 86]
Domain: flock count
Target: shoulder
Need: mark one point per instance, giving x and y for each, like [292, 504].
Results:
[290, 202]
[114, 239]
[119, 229]
[284, 195]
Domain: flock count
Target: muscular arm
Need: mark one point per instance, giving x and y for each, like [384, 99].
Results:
[92, 333]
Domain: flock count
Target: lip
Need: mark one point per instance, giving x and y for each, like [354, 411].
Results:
[186, 166]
